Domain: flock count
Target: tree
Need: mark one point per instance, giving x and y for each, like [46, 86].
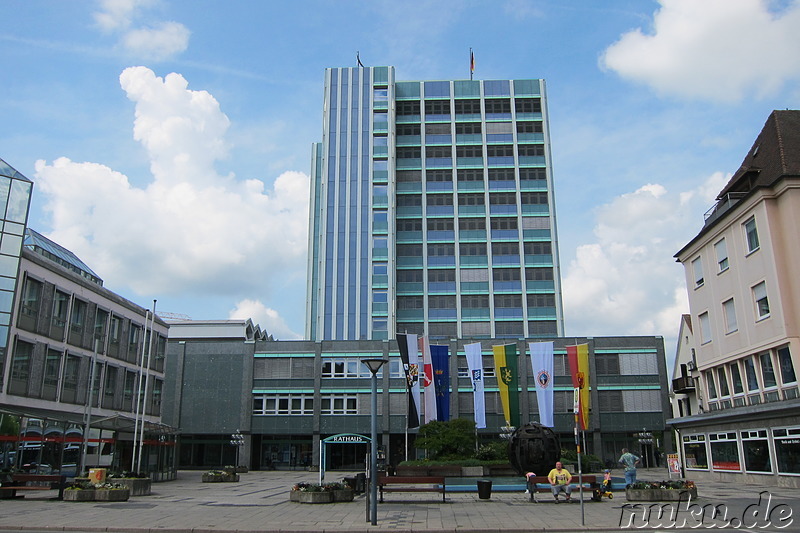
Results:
[454, 439]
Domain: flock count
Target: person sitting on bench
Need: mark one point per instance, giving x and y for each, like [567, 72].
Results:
[559, 479]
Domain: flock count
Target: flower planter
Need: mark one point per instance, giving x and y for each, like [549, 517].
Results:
[343, 495]
[79, 495]
[137, 486]
[96, 495]
[310, 497]
[112, 495]
[222, 477]
[659, 495]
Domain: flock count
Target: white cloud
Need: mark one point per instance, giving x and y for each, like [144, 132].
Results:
[626, 282]
[268, 318]
[715, 50]
[165, 40]
[158, 41]
[190, 230]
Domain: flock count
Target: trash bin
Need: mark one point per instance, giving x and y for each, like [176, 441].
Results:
[484, 489]
[361, 482]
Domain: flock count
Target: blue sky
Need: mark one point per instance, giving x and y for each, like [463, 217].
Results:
[170, 141]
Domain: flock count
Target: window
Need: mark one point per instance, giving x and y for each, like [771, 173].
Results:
[736, 378]
[705, 328]
[441, 275]
[694, 451]
[409, 276]
[437, 107]
[407, 108]
[438, 151]
[409, 250]
[787, 450]
[409, 200]
[751, 235]
[712, 388]
[541, 300]
[761, 300]
[697, 270]
[722, 255]
[723, 382]
[539, 274]
[750, 374]
[787, 368]
[730, 316]
[410, 302]
[505, 248]
[60, 306]
[767, 370]
[31, 295]
[528, 105]
[724, 452]
[283, 404]
[467, 128]
[467, 224]
[439, 175]
[756, 451]
[537, 248]
[440, 224]
[20, 368]
[407, 129]
[468, 107]
[437, 129]
[475, 301]
[470, 174]
[469, 150]
[345, 404]
[408, 152]
[345, 367]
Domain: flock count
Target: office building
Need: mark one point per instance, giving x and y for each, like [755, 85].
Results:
[432, 210]
[80, 358]
[744, 299]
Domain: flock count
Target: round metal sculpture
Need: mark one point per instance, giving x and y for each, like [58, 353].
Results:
[533, 448]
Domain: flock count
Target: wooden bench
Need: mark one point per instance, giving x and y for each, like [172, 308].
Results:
[20, 482]
[411, 484]
[534, 481]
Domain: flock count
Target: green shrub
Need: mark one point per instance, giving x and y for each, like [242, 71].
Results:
[493, 451]
[454, 439]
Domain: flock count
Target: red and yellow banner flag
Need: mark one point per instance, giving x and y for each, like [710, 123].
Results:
[578, 357]
[505, 364]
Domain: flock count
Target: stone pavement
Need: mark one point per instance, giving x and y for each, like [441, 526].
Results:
[259, 502]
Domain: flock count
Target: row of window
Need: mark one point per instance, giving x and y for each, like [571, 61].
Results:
[752, 380]
[505, 329]
[760, 302]
[475, 301]
[470, 174]
[63, 317]
[495, 198]
[492, 150]
[63, 377]
[474, 274]
[469, 128]
[498, 248]
[757, 451]
[468, 107]
[721, 252]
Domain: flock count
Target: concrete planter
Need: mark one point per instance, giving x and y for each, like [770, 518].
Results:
[659, 495]
[112, 495]
[310, 497]
[97, 495]
[343, 495]
[223, 477]
[472, 471]
[136, 486]
[79, 495]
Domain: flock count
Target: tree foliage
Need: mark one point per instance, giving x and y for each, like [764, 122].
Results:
[454, 439]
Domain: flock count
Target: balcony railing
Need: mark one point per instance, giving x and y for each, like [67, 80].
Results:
[683, 384]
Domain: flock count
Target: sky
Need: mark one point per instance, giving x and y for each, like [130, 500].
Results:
[170, 141]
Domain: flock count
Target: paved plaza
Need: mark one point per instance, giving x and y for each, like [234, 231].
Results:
[260, 502]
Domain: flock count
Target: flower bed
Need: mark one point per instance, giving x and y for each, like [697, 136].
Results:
[84, 491]
[325, 493]
[220, 476]
[137, 483]
[648, 491]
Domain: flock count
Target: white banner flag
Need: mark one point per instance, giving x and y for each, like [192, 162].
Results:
[542, 366]
[428, 387]
[475, 364]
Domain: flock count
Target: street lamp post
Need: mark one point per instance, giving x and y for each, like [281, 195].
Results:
[237, 440]
[374, 365]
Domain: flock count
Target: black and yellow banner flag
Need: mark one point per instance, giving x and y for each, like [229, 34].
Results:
[505, 367]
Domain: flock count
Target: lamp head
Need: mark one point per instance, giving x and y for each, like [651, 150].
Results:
[374, 364]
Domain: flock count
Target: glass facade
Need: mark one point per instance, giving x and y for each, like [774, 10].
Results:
[15, 196]
[445, 188]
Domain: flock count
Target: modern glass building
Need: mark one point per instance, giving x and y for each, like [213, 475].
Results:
[15, 199]
[432, 210]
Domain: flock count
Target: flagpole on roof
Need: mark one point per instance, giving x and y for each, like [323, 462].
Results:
[358, 59]
[471, 63]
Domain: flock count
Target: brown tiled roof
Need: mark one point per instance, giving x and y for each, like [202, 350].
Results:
[775, 154]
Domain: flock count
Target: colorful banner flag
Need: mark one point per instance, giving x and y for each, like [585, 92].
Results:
[407, 343]
[440, 356]
[475, 365]
[428, 387]
[471, 63]
[578, 357]
[505, 365]
[542, 366]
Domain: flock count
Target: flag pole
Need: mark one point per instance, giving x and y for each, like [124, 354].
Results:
[471, 63]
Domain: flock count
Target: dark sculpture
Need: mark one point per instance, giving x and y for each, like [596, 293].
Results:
[534, 448]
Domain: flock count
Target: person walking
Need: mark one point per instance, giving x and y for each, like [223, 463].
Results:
[629, 462]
